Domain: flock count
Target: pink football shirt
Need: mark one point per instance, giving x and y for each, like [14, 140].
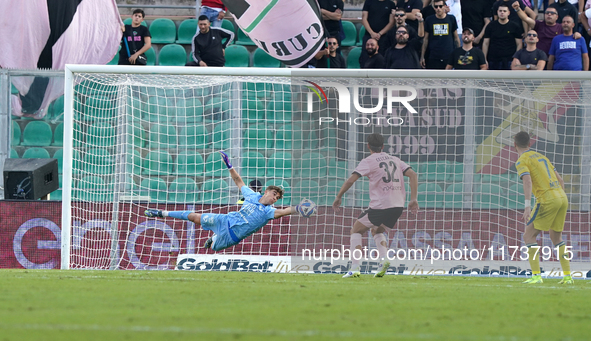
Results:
[386, 180]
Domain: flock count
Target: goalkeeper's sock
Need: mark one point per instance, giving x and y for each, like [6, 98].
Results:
[184, 215]
[356, 256]
[533, 251]
[381, 244]
[564, 262]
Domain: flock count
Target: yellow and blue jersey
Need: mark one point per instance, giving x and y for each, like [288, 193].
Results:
[545, 184]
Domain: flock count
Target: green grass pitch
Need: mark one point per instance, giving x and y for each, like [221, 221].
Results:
[178, 305]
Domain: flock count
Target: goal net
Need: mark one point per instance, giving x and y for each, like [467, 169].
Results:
[146, 140]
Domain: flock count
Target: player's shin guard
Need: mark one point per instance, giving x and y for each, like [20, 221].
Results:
[562, 256]
[184, 215]
[382, 245]
[533, 252]
[356, 256]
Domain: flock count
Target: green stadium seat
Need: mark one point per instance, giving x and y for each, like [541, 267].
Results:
[98, 107]
[155, 188]
[360, 37]
[114, 61]
[329, 137]
[157, 162]
[430, 195]
[263, 59]
[134, 162]
[279, 109]
[228, 25]
[436, 171]
[243, 39]
[306, 189]
[92, 188]
[37, 133]
[13, 89]
[58, 135]
[56, 195]
[128, 21]
[280, 165]
[288, 137]
[286, 200]
[216, 107]
[186, 32]
[189, 111]
[163, 137]
[163, 31]
[98, 161]
[350, 34]
[456, 170]
[454, 196]
[159, 109]
[194, 137]
[215, 191]
[338, 169]
[313, 165]
[16, 134]
[101, 135]
[183, 190]
[35, 153]
[237, 56]
[353, 58]
[76, 160]
[515, 197]
[257, 137]
[253, 109]
[189, 163]
[214, 166]
[136, 135]
[150, 56]
[221, 137]
[311, 143]
[172, 55]
[13, 154]
[490, 196]
[254, 165]
[57, 107]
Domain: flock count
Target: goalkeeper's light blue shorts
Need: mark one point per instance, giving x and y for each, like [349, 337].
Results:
[218, 223]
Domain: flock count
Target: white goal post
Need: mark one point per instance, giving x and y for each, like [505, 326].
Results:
[146, 137]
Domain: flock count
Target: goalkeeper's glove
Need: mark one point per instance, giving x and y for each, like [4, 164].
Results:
[226, 159]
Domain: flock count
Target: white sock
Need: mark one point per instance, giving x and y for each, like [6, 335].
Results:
[381, 243]
[165, 213]
[355, 244]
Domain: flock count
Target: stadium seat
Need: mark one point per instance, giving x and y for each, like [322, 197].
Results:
[35, 153]
[92, 188]
[58, 135]
[280, 165]
[257, 137]
[436, 171]
[155, 188]
[305, 189]
[360, 37]
[16, 134]
[253, 109]
[515, 197]
[163, 137]
[98, 107]
[311, 143]
[189, 163]
[338, 169]
[289, 137]
[76, 160]
[114, 61]
[129, 21]
[191, 112]
[172, 55]
[163, 31]
[279, 109]
[150, 56]
[499, 179]
[57, 107]
[286, 200]
[254, 165]
[215, 191]
[454, 196]
[214, 166]
[37, 133]
[430, 196]
[186, 32]
[263, 59]
[98, 161]
[134, 162]
[216, 109]
[136, 135]
[221, 137]
[350, 34]
[194, 137]
[237, 56]
[329, 137]
[313, 165]
[101, 134]
[353, 58]
[228, 25]
[157, 162]
[183, 190]
[456, 170]
[13, 154]
[243, 39]
[489, 196]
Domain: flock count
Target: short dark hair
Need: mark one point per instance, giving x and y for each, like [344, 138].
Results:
[141, 11]
[203, 17]
[278, 189]
[333, 37]
[434, 1]
[504, 5]
[376, 142]
[522, 139]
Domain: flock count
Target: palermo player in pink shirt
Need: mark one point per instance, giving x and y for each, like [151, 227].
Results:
[387, 195]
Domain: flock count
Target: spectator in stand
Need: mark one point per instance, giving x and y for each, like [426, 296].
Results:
[502, 39]
[412, 8]
[546, 29]
[400, 21]
[564, 8]
[374, 60]
[513, 17]
[402, 55]
[329, 58]
[566, 52]
[332, 11]
[476, 15]
[214, 10]
[138, 40]
[377, 19]
[467, 57]
[531, 57]
[208, 49]
[441, 37]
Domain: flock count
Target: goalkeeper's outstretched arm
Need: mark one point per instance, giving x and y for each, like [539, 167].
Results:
[235, 176]
[285, 211]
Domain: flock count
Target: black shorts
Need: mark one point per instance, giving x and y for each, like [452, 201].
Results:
[388, 216]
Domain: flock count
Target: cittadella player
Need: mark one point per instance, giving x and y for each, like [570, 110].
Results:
[540, 177]
[387, 195]
[229, 229]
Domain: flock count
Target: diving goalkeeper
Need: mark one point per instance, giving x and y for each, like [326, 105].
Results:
[229, 229]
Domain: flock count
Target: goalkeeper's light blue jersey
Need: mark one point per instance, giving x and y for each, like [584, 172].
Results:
[252, 215]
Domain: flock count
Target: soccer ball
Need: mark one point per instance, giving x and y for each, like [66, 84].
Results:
[307, 208]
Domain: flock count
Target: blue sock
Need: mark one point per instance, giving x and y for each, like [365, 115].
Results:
[179, 214]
